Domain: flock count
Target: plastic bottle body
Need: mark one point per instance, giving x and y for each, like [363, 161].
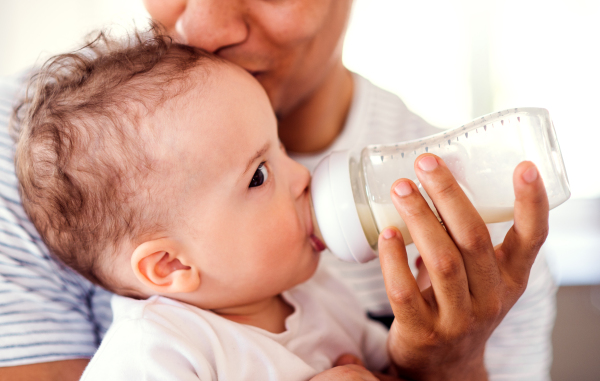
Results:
[352, 194]
[482, 156]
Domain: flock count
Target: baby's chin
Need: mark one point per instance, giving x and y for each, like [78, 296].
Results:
[316, 256]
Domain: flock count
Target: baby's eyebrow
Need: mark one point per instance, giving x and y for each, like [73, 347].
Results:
[258, 154]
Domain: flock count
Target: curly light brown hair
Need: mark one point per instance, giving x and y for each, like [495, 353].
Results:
[84, 159]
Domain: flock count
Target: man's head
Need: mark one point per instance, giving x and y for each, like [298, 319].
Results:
[152, 167]
[291, 46]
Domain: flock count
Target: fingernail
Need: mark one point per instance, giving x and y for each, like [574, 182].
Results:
[388, 233]
[403, 188]
[530, 175]
[428, 163]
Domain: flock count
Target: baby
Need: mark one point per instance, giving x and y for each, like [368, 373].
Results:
[154, 169]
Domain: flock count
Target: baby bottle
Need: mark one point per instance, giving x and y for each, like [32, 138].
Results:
[351, 195]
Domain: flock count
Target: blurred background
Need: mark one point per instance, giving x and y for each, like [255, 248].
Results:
[450, 61]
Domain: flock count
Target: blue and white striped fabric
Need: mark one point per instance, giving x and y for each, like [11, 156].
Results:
[47, 312]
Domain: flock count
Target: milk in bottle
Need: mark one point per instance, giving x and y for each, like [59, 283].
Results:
[351, 194]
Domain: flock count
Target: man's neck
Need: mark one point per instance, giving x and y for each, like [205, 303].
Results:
[317, 121]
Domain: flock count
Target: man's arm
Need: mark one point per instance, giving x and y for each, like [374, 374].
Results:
[440, 333]
[68, 370]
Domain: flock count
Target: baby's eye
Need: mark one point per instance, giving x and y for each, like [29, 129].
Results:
[260, 176]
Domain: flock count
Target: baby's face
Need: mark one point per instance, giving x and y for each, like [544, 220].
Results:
[243, 203]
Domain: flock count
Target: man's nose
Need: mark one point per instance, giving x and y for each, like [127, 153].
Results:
[213, 24]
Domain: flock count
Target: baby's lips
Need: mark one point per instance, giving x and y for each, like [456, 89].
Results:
[315, 231]
[317, 244]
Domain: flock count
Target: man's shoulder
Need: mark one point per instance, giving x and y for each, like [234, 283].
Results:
[377, 98]
[42, 299]
[9, 91]
[383, 117]
[11, 88]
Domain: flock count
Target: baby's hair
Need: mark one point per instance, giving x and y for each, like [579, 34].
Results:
[83, 158]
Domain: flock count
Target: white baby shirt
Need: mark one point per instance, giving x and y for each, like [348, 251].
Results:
[163, 339]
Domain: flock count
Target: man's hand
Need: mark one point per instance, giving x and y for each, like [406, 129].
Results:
[441, 332]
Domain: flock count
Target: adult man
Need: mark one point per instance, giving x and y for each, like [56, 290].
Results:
[293, 47]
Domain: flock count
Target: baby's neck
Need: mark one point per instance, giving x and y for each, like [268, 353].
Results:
[269, 314]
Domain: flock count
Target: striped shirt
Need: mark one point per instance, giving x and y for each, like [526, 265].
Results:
[520, 348]
[49, 313]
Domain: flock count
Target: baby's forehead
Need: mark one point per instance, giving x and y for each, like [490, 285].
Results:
[217, 106]
[215, 126]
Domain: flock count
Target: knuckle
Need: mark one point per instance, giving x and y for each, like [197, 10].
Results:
[401, 296]
[520, 285]
[428, 336]
[534, 242]
[416, 210]
[445, 265]
[447, 191]
[493, 310]
[477, 241]
[479, 236]
[461, 326]
[539, 238]
[446, 335]
[460, 329]
[434, 339]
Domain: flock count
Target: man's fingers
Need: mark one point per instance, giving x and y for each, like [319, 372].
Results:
[404, 295]
[463, 222]
[442, 258]
[530, 229]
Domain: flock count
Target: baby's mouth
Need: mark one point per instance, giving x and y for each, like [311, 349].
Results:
[317, 244]
[316, 240]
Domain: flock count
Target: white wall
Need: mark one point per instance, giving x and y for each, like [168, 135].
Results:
[452, 61]
[31, 30]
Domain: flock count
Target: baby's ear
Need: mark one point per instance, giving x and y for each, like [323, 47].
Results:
[161, 265]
